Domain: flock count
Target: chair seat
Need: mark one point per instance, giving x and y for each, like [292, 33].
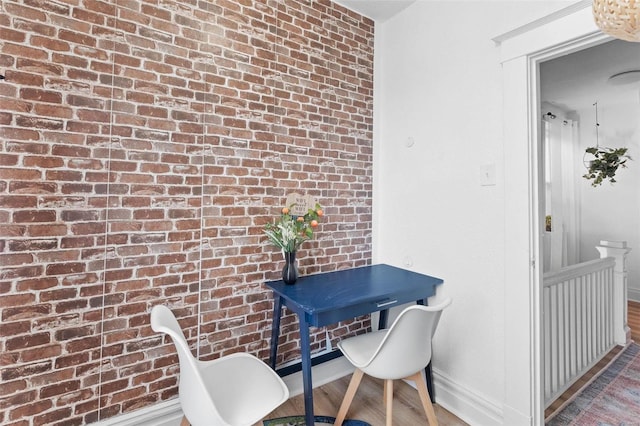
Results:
[242, 388]
[359, 350]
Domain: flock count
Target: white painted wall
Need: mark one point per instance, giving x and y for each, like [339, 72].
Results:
[611, 211]
[439, 82]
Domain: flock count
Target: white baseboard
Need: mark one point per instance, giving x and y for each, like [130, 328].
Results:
[633, 294]
[169, 413]
[322, 374]
[469, 406]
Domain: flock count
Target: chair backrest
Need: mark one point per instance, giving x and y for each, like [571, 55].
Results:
[406, 348]
[194, 395]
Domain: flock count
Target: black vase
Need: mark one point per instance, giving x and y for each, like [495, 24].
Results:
[289, 272]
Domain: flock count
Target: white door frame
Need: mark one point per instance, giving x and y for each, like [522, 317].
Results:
[521, 51]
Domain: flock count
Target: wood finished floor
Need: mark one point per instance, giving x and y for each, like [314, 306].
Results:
[368, 404]
[633, 320]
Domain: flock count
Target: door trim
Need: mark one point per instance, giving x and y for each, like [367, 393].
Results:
[568, 31]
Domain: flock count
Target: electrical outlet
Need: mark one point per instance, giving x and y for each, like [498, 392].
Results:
[488, 174]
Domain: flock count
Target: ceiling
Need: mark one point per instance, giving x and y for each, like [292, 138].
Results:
[571, 82]
[578, 80]
[378, 10]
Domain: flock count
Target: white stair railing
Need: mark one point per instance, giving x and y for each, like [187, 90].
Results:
[584, 317]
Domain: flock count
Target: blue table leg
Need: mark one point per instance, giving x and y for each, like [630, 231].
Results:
[382, 319]
[429, 377]
[305, 349]
[275, 330]
[428, 373]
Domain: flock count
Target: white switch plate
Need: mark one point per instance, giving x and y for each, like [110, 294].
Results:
[488, 174]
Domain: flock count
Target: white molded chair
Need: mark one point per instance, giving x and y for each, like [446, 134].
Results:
[235, 390]
[400, 352]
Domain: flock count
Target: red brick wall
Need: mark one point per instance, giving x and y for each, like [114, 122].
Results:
[143, 145]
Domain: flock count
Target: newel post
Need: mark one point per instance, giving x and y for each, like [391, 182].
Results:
[618, 250]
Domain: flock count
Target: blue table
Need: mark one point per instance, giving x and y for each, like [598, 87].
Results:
[331, 297]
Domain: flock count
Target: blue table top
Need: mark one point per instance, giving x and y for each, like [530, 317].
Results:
[379, 285]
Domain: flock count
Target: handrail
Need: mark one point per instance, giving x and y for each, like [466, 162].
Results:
[573, 271]
[585, 315]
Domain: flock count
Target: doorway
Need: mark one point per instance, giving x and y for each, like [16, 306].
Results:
[570, 30]
[583, 105]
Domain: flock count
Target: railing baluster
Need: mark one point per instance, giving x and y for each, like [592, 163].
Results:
[578, 322]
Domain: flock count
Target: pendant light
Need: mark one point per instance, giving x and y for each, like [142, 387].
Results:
[618, 18]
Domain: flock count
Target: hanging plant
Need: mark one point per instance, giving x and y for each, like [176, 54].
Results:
[605, 164]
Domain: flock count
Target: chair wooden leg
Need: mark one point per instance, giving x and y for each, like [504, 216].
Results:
[184, 421]
[388, 396]
[348, 397]
[425, 398]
